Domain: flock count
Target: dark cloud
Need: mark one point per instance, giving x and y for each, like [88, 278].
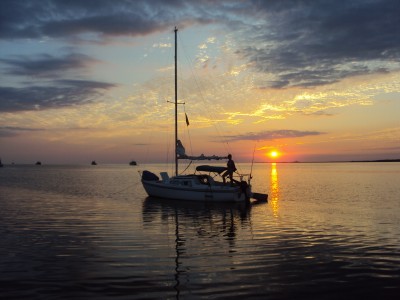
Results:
[299, 42]
[46, 65]
[309, 43]
[271, 135]
[61, 93]
[10, 131]
[60, 19]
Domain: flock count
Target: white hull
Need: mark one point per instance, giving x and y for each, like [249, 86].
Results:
[215, 193]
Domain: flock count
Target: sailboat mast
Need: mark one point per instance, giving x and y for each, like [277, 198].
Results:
[176, 103]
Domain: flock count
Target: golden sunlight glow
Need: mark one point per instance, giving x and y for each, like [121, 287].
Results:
[273, 154]
[274, 190]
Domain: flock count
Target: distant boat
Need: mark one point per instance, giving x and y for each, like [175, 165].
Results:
[132, 163]
[1, 164]
[38, 163]
[94, 163]
[196, 187]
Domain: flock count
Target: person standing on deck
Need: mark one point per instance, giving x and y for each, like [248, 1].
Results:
[230, 169]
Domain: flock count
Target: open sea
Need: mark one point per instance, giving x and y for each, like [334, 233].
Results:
[328, 231]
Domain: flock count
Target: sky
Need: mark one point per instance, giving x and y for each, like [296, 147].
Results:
[93, 80]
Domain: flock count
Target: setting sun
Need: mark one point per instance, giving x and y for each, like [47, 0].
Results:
[273, 154]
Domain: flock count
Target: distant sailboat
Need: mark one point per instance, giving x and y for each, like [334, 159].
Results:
[133, 163]
[94, 163]
[200, 186]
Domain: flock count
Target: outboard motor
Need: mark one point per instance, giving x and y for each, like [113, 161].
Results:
[148, 176]
[243, 186]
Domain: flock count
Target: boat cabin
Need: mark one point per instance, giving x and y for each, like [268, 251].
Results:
[188, 180]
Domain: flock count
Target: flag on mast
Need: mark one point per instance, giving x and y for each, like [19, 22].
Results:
[187, 120]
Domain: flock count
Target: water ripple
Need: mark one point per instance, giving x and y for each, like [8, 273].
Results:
[94, 234]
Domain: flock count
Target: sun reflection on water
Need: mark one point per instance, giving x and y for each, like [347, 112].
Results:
[274, 190]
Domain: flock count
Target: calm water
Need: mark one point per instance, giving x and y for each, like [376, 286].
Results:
[89, 232]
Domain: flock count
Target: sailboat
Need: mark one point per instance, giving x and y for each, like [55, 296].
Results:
[205, 184]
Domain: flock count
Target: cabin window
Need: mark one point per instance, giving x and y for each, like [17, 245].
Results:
[187, 183]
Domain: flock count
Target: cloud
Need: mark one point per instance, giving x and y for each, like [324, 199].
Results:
[10, 131]
[294, 42]
[271, 135]
[61, 19]
[44, 94]
[162, 45]
[394, 149]
[310, 43]
[46, 65]
[60, 94]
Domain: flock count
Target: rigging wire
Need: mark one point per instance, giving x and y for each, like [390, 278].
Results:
[211, 116]
[166, 60]
[187, 167]
[252, 160]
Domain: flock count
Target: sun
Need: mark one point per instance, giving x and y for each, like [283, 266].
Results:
[273, 154]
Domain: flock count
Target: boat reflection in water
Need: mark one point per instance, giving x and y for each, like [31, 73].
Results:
[209, 219]
[274, 190]
[194, 230]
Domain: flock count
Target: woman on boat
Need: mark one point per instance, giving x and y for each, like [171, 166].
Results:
[230, 165]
